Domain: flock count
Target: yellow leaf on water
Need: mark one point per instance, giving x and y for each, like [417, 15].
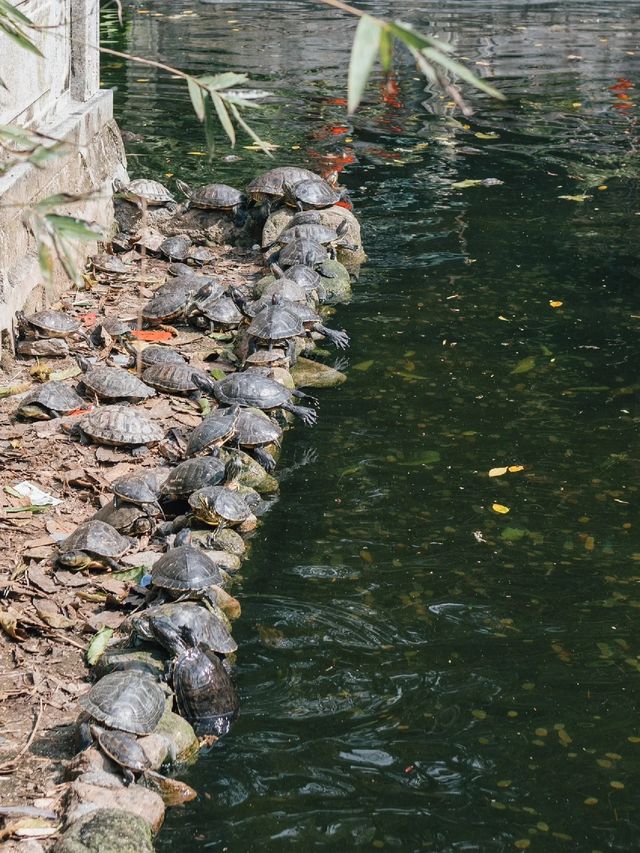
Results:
[487, 135]
[500, 508]
[197, 153]
[617, 785]
[513, 469]
[578, 198]
[497, 472]
[590, 801]
[555, 303]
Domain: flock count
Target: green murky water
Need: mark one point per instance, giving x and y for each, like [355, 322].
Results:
[417, 670]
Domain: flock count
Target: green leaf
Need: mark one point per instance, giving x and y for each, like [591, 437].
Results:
[386, 49]
[412, 38]
[98, 645]
[12, 21]
[525, 365]
[249, 130]
[209, 127]
[363, 54]
[461, 71]
[69, 226]
[223, 115]
[197, 98]
[222, 81]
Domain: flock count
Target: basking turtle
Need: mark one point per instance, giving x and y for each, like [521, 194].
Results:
[331, 238]
[216, 197]
[249, 390]
[153, 354]
[312, 322]
[190, 475]
[126, 701]
[105, 262]
[288, 289]
[51, 400]
[309, 278]
[180, 379]
[124, 750]
[138, 488]
[200, 255]
[127, 518]
[145, 193]
[120, 426]
[168, 306]
[223, 505]
[308, 253]
[253, 432]
[43, 347]
[311, 194]
[175, 248]
[93, 544]
[274, 325]
[113, 383]
[50, 324]
[205, 694]
[185, 571]
[267, 358]
[269, 186]
[208, 629]
[213, 431]
[221, 314]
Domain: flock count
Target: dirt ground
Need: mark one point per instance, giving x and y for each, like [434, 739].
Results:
[48, 615]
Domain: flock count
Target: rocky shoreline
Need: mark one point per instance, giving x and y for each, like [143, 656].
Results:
[55, 619]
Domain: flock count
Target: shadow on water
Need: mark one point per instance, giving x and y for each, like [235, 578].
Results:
[417, 669]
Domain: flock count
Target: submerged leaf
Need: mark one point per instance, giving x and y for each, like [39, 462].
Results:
[525, 365]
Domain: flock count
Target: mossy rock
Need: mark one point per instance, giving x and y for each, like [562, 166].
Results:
[253, 475]
[338, 288]
[307, 373]
[184, 742]
[107, 831]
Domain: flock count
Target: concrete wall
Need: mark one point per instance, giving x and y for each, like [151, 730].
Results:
[60, 96]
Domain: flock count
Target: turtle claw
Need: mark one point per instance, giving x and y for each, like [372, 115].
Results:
[307, 415]
[338, 339]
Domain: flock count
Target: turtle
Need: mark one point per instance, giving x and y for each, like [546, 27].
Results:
[180, 379]
[269, 186]
[168, 306]
[329, 237]
[93, 544]
[127, 701]
[213, 431]
[311, 194]
[113, 383]
[305, 251]
[288, 289]
[145, 193]
[309, 278]
[124, 750]
[130, 519]
[104, 262]
[112, 326]
[216, 197]
[49, 324]
[190, 475]
[175, 248]
[200, 255]
[208, 629]
[120, 426]
[253, 431]
[184, 571]
[312, 322]
[267, 358]
[223, 505]
[222, 314]
[140, 488]
[51, 400]
[249, 390]
[153, 354]
[176, 268]
[275, 324]
[205, 694]
[43, 347]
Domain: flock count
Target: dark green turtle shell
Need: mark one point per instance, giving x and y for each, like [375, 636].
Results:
[124, 750]
[128, 701]
[219, 504]
[96, 537]
[214, 430]
[192, 474]
[185, 569]
[52, 397]
[206, 628]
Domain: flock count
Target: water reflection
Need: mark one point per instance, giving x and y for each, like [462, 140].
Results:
[419, 671]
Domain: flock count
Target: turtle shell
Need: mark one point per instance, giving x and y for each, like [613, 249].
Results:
[96, 537]
[271, 183]
[312, 231]
[255, 429]
[206, 628]
[275, 323]
[213, 431]
[54, 324]
[213, 196]
[303, 251]
[124, 750]
[305, 276]
[192, 474]
[168, 305]
[176, 378]
[114, 383]
[143, 189]
[127, 518]
[175, 248]
[249, 389]
[222, 311]
[128, 701]
[287, 288]
[159, 354]
[309, 193]
[204, 691]
[268, 358]
[52, 399]
[200, 255]
[120, 425]
[139, 488]
[108, 263]
[215, 504]
[185, 569]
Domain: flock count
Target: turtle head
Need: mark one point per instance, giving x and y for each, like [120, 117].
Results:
[183, 187]
[342, 229]
[75, 560]
[277, 271]
[183, 537]
[118, 185]
[233, 469]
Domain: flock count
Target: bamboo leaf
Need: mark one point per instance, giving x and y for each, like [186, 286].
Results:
[386, 49]
[249, 130]
[363, 54]
[69, 226]
[197, 98]
[223, 115]
[12, 22]
[412, 38]
[461, 71]
[209, 127]
[222, 81]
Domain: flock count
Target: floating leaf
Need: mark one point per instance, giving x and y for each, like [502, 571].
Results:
[513, 469]
[576, 198]
[555, 303]
[513, 534]
[364, 365]
[497, 472]
[500, 508]
[480, 135]
[363, 54]
[469, 182]
[525, 365]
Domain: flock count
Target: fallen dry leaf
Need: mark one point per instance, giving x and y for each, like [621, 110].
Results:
[497, 472]
[151, 335]
[555, 303]
[500, 508]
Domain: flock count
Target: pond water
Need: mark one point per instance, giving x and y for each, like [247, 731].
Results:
[421, 669]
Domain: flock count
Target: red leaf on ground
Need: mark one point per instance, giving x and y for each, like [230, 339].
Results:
[151, 335]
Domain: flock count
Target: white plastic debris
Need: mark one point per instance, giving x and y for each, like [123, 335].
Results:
[38, 498]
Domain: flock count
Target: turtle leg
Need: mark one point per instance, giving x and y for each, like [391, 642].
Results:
[240, 216]
[302, 396]
[264, 458]
[325, 273]
[291, 352]
[338, 339]
[111, 564]
[128, 776]
[306, 415]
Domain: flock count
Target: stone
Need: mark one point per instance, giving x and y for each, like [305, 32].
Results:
[338, 288]
[107, 830]
[25, 845]
[208, 227]
[182, 740]
[312, 374]
[100, 790]
[254, 476]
